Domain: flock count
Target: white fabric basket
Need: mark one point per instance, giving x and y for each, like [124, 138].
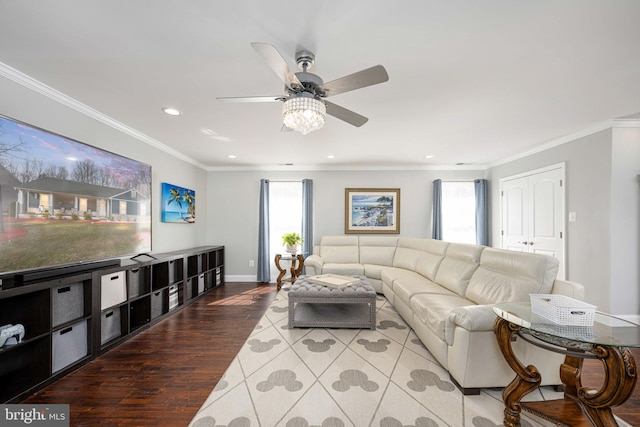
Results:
[563, 310]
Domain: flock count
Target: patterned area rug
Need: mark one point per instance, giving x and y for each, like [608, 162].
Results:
[345, 377]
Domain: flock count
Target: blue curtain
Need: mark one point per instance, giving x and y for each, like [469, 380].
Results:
[482, 212]
[437, 209]
[307, 217]
[264, 267]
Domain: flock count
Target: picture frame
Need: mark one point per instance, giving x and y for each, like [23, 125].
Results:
[372, 211]
[178, 204]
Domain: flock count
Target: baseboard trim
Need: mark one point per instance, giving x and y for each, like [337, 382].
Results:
[241, 278]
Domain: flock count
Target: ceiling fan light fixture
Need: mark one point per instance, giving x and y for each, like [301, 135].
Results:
[304, 113]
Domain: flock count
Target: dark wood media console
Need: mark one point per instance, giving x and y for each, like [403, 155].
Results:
[72, 318]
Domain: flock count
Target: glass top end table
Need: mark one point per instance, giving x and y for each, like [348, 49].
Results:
[608, 340]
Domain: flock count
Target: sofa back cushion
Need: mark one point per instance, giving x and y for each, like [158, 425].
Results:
[457, 267]
[339, 249]
[420, 255]
[505, 276]
[378, 250]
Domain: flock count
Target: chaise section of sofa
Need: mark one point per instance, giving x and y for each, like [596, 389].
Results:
[446, 293]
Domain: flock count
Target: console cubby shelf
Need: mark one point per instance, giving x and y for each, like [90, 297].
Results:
[71, 319]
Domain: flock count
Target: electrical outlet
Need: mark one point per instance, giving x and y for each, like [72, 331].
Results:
[251, 263]
[572, 217]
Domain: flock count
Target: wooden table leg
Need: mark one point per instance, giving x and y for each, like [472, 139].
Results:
[296, 270]
[621, 376]
[527, 378]
[281, 270]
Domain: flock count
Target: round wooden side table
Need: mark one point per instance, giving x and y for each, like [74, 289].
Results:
[297, 262]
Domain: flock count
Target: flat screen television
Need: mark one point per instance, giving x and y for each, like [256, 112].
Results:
[67, 204]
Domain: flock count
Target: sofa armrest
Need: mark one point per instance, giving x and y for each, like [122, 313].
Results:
[471, 318]
[568, 289]
[313, 265]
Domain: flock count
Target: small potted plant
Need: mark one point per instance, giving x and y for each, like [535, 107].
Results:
[292, 241]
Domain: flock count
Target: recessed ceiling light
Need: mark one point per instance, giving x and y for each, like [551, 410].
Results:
[429, 156]
[331, 156]
[231, 156]
[172, 111]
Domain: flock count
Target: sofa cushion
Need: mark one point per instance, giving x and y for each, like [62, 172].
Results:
[374, 271]
[433, 310]
[411, 250]
[406, 287]
[391, 274]
[505, 276]
[457, 267]
[339, 249]
[378, 250]
[343, 268]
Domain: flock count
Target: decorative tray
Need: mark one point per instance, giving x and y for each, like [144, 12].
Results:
[333, 280]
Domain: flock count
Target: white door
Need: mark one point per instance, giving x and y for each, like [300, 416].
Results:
[533, 213]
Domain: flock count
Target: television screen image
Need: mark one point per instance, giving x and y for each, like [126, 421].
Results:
[66, 202]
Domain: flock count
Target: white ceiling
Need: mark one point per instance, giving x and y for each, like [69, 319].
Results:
[474, 82]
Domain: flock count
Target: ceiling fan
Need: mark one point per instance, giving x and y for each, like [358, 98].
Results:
[305, 106]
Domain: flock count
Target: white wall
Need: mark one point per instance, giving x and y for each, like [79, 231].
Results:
[20, 103]
[625, 221]
[233, 202]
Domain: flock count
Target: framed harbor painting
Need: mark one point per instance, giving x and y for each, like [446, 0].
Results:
[372, 210]
[178, 204]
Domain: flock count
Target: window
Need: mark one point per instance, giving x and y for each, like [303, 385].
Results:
[458, 212]
[285, 216]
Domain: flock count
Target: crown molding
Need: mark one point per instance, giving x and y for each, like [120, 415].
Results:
[69, 102]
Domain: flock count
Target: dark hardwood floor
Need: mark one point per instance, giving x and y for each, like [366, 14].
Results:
[161, 376]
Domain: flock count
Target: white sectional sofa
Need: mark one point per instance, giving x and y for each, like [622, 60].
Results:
[446, 292]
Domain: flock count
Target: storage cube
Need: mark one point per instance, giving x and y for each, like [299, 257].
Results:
[113, 290]
[69, 345]
[111, 325]
[68, 303]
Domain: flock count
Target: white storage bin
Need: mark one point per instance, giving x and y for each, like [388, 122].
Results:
[68, 303]
[200, 284]
[174, 298]
[563, 310]
[113, 289]
[69, 345]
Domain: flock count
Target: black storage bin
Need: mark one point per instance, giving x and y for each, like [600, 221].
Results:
[157, 304]
[69, 345]
[68, 303]
[137, 282]
[111, 325]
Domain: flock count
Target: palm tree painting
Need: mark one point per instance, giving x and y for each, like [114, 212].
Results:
[178, 204]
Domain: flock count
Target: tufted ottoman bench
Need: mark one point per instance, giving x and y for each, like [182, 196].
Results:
[318, 306]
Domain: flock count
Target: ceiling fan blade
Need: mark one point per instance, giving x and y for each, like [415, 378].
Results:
[370, 76]
[344, 114]
[277, 63]
[240, 99]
